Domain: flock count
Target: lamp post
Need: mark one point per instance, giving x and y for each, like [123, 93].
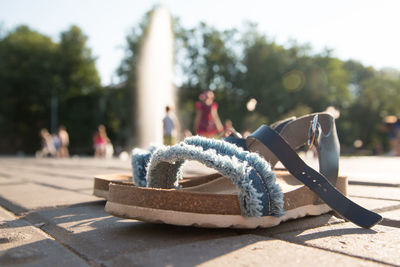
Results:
[53, 112]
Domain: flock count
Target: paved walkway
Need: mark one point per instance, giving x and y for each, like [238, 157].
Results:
[49, 217]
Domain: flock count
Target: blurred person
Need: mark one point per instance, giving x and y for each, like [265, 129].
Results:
[186, 133]
[229, 129]
[246, 133]
[391, 124]
[64, 142]
[48, 148]
[109, 153]
[170, 125]
[207, 122]
[56, 142]
[100, 141]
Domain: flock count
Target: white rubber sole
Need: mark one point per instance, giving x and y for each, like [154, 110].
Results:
[209, 220]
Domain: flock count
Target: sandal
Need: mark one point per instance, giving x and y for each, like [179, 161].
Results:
[140, 159]
[251, 199]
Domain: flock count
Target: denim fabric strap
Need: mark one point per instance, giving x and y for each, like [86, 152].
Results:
[264, 180]
[140, 159]
[247, 170]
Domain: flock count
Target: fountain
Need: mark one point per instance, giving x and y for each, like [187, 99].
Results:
[155, 74]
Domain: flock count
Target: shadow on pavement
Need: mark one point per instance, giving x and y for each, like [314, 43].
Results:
[390, 222]
[99, 238]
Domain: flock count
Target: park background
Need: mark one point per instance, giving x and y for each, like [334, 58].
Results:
[39, 73]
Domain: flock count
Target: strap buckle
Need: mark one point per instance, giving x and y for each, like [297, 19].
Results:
[313, 132]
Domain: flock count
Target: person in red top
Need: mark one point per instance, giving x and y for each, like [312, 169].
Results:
[100, 141]
[207, 122]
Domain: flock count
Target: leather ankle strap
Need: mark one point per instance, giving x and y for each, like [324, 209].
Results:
[295, 133]
[269, 139]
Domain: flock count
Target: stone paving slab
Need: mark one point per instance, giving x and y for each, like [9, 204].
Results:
[243, 250]
[66, 168]
[70, 173]
[375, 192]
[392, 214]
[380, 244]
[376, 205]
[90, 165]
[33, 196]
[392, 218]
[61, 181]
[87, 228]
[22, 244]
[77, 162]
[373, 170]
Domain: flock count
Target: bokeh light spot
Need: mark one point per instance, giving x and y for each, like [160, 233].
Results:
[358, 143]
[293, 80]
[251, 105]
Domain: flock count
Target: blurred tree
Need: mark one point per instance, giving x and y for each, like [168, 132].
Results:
[284, 81]
[265, 64]
[77, 87]
[77, 73]
[378, 97]
[357, 73]
[210, 63]
[291, 81]
[33, 70]
[27, 60]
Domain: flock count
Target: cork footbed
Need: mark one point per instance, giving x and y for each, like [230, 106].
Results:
[212, 204]
[102, 182]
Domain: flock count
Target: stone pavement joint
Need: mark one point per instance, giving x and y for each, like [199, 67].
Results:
[12, 207]
[390, 222]
[384, 209]
[374, 184]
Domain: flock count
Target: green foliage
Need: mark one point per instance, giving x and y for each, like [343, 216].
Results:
[26, 76]
[77, 73]
[33, 68]
[209, 63]
[378, 97]
[285, 81]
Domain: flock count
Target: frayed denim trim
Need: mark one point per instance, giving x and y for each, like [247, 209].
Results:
[140, 159]
[166, 164]
[258, 163]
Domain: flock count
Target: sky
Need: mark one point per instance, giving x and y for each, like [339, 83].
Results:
[363, 30]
